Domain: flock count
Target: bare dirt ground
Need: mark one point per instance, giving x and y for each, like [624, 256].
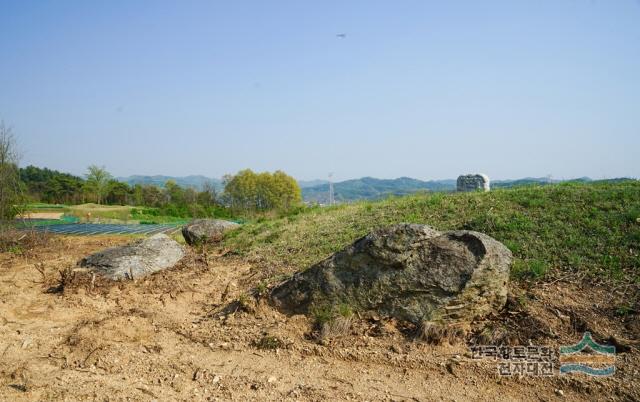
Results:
[42, 215]
[183, 335]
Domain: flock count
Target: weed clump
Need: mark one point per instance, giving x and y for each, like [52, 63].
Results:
[22, 242]
[269, 342]
[331, 321]
[438, 333]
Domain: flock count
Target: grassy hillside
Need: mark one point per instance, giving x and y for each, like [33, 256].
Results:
[587, 229]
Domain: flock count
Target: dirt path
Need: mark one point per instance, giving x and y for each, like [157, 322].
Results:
[166, 338]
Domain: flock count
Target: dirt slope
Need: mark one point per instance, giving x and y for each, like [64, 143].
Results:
[179, 335]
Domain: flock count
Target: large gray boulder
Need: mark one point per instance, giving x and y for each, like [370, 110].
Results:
[408, 271]
[140, 258]
[206, 230]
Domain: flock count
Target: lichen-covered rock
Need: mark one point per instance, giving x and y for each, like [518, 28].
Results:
[473, 182]
[136, 259]
[206, 230]
[408, 271]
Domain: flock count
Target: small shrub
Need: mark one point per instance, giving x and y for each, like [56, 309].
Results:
[537, 268]
[624, 310]
[345, 310]
[262, 289]
[633, 216]
[269, 342]
[493, 334]
[17, 250]
[522, 301]
[245, 303]
[332, 321]
[321, 315]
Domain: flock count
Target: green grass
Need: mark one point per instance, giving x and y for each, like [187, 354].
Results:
[39, 206]
[591, 229]
[46, 222]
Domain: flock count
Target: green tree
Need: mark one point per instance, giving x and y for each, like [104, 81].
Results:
[152, 196]
[240, 191]
[97, 182]
[174, 193]
[287, 189]
[138, 194]
[208, 195]
[51, 186]
[117, 192]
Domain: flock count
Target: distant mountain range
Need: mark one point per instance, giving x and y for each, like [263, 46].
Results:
[311, 183]
[195, 181]
[372, 188]
[366, 188]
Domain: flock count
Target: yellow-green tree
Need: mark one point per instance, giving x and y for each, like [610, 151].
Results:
[249, 191]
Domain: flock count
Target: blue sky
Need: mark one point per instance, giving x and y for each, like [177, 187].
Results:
[427, 89]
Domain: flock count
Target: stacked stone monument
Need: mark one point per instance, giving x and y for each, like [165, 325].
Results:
[473, 182]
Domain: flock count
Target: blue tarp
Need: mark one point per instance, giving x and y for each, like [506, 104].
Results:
[88, 229]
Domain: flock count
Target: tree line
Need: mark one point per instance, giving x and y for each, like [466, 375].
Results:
[244, 193]
[98, 186]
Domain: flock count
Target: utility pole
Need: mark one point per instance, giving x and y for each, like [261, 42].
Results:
[331, 200]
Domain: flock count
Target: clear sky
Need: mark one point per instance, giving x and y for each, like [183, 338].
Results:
[426, 89]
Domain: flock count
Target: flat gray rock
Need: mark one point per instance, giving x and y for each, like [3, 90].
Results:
[408, 271]
[206, 230]
[140, 258]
